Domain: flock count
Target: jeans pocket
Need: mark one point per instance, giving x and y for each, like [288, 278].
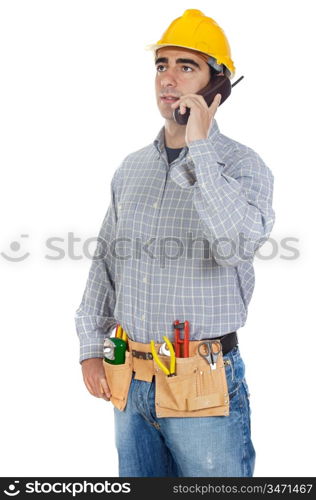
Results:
[235, 371]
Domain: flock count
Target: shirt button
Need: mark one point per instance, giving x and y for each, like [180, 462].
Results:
[143, 317]
[155, 204]
[145, 280]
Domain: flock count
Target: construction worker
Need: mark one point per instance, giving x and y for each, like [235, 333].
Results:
[192, 184]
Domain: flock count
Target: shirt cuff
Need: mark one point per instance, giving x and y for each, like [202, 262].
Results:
[202, 152]
[201, 169]
[92, 350]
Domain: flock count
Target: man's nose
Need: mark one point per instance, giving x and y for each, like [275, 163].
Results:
[168, 79]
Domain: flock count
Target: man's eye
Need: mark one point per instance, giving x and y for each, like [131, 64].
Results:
[162, 66]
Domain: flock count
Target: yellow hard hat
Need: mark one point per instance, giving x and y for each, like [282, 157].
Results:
[193, 30]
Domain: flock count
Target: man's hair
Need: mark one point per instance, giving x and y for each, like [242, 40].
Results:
[213, 72]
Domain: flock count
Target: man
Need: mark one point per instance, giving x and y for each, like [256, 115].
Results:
[191, 184]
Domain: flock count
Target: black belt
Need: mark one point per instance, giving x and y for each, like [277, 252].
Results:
[228, 341]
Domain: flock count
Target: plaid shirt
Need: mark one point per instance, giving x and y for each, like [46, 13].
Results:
[178, 242]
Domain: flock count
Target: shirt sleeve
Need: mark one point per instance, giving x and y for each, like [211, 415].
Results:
[235, 207]
[94, 318]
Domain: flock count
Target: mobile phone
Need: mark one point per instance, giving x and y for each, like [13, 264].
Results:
[219, 84]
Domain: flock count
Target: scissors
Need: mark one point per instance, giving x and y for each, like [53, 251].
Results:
[210, 352]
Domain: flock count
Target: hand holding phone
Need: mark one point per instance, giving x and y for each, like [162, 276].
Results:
[219, 84]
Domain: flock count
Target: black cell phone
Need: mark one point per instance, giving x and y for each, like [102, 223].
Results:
[219, 84]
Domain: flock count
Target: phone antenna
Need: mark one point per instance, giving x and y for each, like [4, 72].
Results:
[237, 81]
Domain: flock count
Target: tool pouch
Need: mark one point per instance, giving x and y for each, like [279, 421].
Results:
[119, 378]
[195, 391]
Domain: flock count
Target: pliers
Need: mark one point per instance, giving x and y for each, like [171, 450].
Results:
[172, 371]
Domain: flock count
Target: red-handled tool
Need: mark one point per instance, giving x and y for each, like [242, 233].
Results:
[178, 340]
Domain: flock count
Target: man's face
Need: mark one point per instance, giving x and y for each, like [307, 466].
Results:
[179, 72]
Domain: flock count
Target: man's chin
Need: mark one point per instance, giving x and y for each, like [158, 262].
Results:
[167, 115]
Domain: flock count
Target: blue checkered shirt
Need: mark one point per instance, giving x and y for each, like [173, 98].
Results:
[177, 242]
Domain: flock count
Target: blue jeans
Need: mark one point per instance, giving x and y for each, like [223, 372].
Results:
[216, 446]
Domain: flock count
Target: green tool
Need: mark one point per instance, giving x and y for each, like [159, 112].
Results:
[114, 350]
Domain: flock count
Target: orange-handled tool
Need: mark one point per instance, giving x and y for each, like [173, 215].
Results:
[178, 340]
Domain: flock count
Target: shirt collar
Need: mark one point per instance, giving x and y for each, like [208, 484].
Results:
[159, 142]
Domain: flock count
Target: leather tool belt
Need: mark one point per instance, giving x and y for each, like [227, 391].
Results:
[195, 390]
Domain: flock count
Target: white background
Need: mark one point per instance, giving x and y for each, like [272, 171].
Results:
[77, 96]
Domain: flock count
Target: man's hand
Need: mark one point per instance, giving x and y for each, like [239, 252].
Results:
[94, 378]
[201, 115]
